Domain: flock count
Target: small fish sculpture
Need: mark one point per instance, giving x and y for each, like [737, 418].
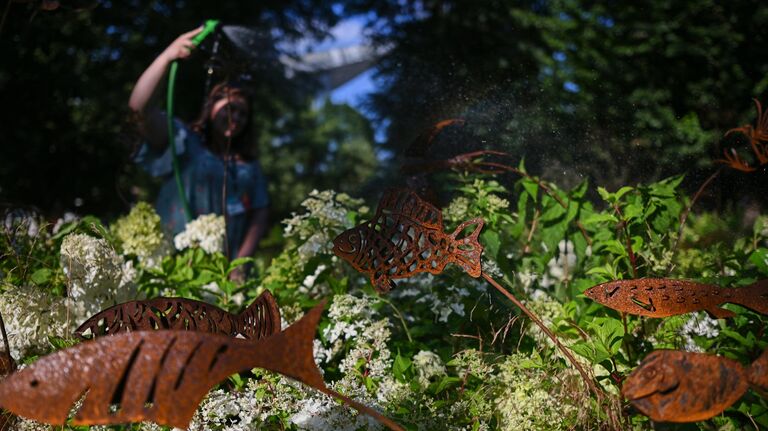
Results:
[662, 297]
[260, 320]
[676, 386]
[406, 237]
[159, 376]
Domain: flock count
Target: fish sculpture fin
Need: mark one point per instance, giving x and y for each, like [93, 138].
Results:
[382, 283]
[719, 313]
[467, 250]
[754, 296]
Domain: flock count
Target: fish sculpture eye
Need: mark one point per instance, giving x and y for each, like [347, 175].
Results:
[347, 243]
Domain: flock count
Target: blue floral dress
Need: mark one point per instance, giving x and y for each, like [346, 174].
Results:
[202, 174]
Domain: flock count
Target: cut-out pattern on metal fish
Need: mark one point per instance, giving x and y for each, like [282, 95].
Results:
[158, 376]
[405, 238]
[261, 318]
[675, 386]
[662, 297]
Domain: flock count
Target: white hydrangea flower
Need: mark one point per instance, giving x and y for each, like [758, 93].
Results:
[206, 232]
[140, 233]
[95, 273]
[427, 365]
[31, 315]
[699, 324]
[560, 267]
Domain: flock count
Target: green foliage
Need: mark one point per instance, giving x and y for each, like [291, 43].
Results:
[445, 351]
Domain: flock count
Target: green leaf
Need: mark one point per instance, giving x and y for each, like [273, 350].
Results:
[239, 262]
[491, 241]
[532, 188]
[445, 383]
[599, 218]
[400, 368]
[41, 276]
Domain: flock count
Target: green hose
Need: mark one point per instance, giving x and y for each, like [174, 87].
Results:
[208, 28]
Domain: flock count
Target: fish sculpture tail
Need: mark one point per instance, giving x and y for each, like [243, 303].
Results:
[297, 342]
[261, 319]
[466, 251]
[754, 296]
[757, 374]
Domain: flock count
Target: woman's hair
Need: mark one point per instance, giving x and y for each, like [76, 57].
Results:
[242, 144]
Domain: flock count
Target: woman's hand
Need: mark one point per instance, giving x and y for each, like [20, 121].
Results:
[144, 98]
[181, 47]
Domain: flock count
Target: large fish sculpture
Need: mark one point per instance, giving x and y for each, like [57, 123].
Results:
[675, 386]
[159, 376]
[406, 237]
[261, 319]
[662, 297]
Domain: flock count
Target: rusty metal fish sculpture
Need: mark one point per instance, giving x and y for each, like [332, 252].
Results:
[675, 386]
[661, 297]
[261, 319]
[406, 237]
[158, 376]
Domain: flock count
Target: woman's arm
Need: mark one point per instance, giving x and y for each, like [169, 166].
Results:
[143, 97]
[256, 230]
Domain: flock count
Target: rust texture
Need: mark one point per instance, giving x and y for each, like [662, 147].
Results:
[662, 297]
[758, 141]
[261, 319]
[406, 237]
[7, 366]
[675, 386]
[757, 374]
[158, 376]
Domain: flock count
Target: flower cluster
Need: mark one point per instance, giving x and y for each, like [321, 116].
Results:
[32, 315]
[560, 267]
[96, 274]
[206, 232]
[356, 330]
[327, 216]
[479, 199]
[427, 365]
[526, 400]
[701, 325]
[20, 221]
[140, 234]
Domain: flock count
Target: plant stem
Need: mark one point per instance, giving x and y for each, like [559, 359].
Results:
[684, 215]
[587, 379]
[632, 259]
[399, 316]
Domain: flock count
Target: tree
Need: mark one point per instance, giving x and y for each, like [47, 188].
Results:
[321, 147]
[619, 92]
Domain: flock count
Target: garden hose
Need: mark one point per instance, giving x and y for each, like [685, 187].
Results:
[208, 28]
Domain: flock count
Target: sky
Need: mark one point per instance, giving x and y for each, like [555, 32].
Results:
[347, 33]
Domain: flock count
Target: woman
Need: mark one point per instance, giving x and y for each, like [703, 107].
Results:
[217, 144]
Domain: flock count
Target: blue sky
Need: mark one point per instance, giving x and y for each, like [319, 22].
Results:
[348, 33]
